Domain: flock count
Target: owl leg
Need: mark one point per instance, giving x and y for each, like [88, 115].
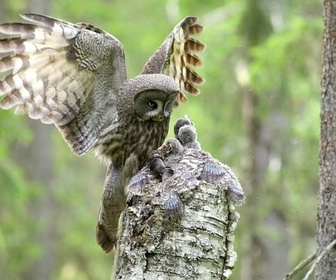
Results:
[113, 202]
[111, 205]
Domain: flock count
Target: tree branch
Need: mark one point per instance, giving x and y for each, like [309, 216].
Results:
[319, 258]
[300, 266]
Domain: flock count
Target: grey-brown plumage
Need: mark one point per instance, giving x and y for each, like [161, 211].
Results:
[179, 123]
[74, 76]
[156, 165]
[185, 166]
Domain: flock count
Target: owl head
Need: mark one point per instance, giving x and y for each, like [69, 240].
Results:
[152, 96]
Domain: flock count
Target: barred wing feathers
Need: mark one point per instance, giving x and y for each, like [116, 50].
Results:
[52, 70]
[176, 57]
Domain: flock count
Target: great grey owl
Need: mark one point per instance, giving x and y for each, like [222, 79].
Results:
[74, 76]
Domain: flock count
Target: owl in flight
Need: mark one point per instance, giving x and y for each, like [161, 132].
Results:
[74, 76]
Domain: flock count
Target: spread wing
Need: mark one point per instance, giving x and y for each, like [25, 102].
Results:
[61, 73]
[176, 57]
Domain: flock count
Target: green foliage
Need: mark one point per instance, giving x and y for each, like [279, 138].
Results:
[16, 248]
[279, 63]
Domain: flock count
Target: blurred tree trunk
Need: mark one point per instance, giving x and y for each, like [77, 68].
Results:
[263, 257]
[3, 9]
[326, 224]
[37, 161]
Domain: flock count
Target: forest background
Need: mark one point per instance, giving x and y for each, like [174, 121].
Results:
[258, 112]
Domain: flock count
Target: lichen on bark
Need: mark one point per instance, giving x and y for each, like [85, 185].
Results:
[179, 223]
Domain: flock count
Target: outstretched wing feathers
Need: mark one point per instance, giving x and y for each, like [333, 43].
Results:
[67, 74]
[176, 57]
[41, 80]
[49, 70]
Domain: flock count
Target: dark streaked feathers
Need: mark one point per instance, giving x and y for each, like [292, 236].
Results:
[176, 57]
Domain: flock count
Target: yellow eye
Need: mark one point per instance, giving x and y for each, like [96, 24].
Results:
[152, 104]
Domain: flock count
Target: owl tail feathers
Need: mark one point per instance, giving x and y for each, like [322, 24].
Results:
[104, 240]
[107, 225]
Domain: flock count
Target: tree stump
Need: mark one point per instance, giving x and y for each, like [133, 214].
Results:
[180, 217]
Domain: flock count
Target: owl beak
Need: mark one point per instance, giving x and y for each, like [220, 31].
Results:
[165, 113]
[160, 117]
